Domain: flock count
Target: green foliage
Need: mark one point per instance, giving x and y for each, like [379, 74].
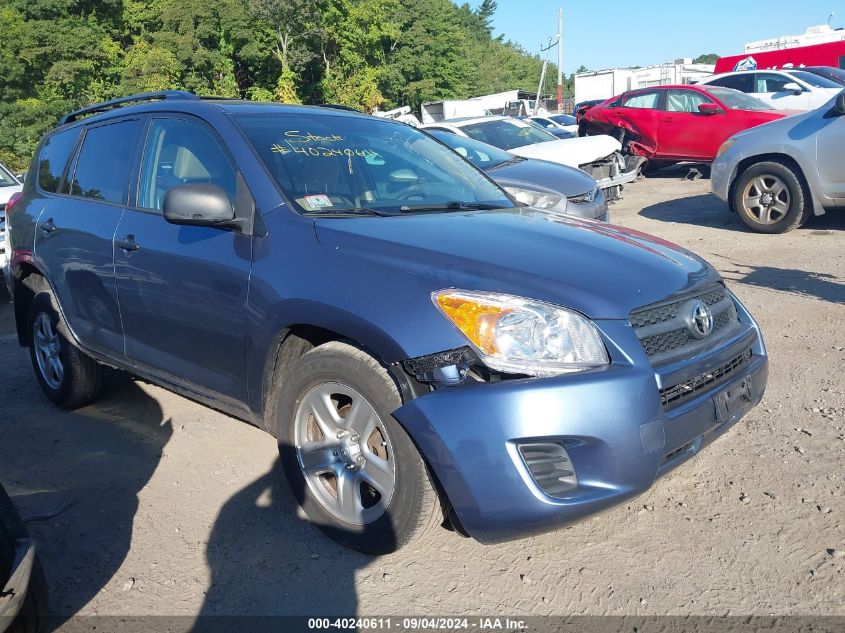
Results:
[709, 58]
[57, 55]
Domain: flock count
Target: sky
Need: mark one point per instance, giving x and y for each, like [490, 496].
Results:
[610, 33]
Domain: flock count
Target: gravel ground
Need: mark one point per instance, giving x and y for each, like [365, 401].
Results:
[177, 509]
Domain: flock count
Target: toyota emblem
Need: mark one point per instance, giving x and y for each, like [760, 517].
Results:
[700, 319]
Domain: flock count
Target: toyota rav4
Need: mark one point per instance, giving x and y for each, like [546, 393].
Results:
[423, 349]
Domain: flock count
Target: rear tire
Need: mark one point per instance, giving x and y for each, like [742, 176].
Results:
[350, 465]
[68, 376]
[770, 197]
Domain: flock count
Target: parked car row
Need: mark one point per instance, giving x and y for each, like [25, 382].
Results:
[9, 185]
[425, 346]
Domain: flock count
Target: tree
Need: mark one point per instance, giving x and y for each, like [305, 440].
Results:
[709, 58]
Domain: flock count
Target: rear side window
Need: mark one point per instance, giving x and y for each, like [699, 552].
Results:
[102, 169]
[743, 83]
[53, 159]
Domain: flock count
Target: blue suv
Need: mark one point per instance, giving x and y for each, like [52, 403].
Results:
[424, 350]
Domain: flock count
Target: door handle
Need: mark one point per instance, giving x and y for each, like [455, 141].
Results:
[128, 244]
[47, 227]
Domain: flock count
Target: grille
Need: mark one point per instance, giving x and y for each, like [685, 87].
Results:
[675, 395]
[663, 329]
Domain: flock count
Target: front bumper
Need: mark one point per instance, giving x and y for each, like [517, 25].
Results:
[12, 596]
[618, 435]
[611, 172]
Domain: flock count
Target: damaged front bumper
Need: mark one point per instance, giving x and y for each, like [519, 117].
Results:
[612, 172]
[612, 433]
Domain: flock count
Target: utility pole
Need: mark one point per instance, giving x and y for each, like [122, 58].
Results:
[560, 60]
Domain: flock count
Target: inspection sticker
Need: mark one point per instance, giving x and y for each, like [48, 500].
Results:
[319, 201]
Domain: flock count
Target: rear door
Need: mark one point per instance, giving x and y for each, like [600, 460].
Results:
[74, 233]
[687, 133]
[183, 289]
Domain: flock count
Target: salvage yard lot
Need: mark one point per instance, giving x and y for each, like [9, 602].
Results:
[171, 508]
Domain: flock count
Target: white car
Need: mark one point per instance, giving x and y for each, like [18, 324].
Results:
[790, 89]
[8, 185]
[565, 122]
[600, 156]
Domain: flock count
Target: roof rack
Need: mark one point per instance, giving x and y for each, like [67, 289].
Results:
[115, 103]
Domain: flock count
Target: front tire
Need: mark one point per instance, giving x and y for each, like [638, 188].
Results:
[351, 466]
[769, 197]
[67, 375]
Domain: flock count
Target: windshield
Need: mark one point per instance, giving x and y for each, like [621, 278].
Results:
[814, 80]
[6, 179]
[736, 100]
[480, 154]
[507, 133]
[335, 164]
[564, 119]
[829, 72]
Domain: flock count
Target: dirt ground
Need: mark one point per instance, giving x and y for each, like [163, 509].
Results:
[171, 508]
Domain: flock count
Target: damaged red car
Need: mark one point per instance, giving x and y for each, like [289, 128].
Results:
[668, 124]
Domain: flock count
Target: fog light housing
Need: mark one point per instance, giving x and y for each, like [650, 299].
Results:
[550, 467]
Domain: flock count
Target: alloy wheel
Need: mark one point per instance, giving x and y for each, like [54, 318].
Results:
[767, 199]
[48, 347]
[344, 453]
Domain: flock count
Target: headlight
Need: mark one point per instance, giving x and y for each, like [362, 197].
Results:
[517, 335]
[536, 199]
[724, 147]
[590, 196]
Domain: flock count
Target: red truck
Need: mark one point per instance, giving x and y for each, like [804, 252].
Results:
[829, 54]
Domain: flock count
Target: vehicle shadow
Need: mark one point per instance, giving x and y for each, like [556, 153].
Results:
[75, 475]
[267, 561]
[707, 210]
[798, 282]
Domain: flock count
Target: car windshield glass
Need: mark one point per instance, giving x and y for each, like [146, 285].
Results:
[564, 119]
[814, 80]
[829, 72]
[736, 100]
[342, 164]
[6, 179]
[479, 154]
[507, 133]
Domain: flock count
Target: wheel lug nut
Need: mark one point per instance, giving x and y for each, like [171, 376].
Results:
[354, 438]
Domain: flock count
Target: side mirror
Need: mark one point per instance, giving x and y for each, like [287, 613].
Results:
[709, 108]
[839, 104]
[793, 87]
[198, 205]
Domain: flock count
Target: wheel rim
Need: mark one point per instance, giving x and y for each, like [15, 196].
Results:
[48, 348]
[344, 453]
[766, 199]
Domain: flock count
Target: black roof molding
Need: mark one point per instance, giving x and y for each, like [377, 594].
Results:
[116, 103]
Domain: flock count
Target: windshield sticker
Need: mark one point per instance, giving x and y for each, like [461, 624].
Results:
[320, 201]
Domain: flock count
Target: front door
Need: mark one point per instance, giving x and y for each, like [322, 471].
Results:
[831, 140]
[76, 227]
[687, 133]
[770, 88]
[183, 289]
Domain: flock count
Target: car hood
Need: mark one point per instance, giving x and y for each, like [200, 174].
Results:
[571, 151]
[600, 270]
[531, 173]
[6, 192]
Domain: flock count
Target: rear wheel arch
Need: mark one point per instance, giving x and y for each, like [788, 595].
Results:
[27, 282]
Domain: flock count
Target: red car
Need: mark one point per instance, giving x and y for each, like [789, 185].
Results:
[675, 123]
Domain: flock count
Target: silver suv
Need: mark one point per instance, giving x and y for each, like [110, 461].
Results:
[776, 176]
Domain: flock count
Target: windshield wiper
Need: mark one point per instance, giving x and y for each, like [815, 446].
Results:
[510, 161]
[352, 211]
[454, 205]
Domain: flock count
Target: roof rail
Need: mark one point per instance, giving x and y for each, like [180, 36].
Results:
[114, 103]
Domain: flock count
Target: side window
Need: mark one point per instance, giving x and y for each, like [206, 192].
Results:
[743, 83]
[104, 162]
[768, 82]
[642, 100]
[53, 159]
[684, 101]
[180, 152]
